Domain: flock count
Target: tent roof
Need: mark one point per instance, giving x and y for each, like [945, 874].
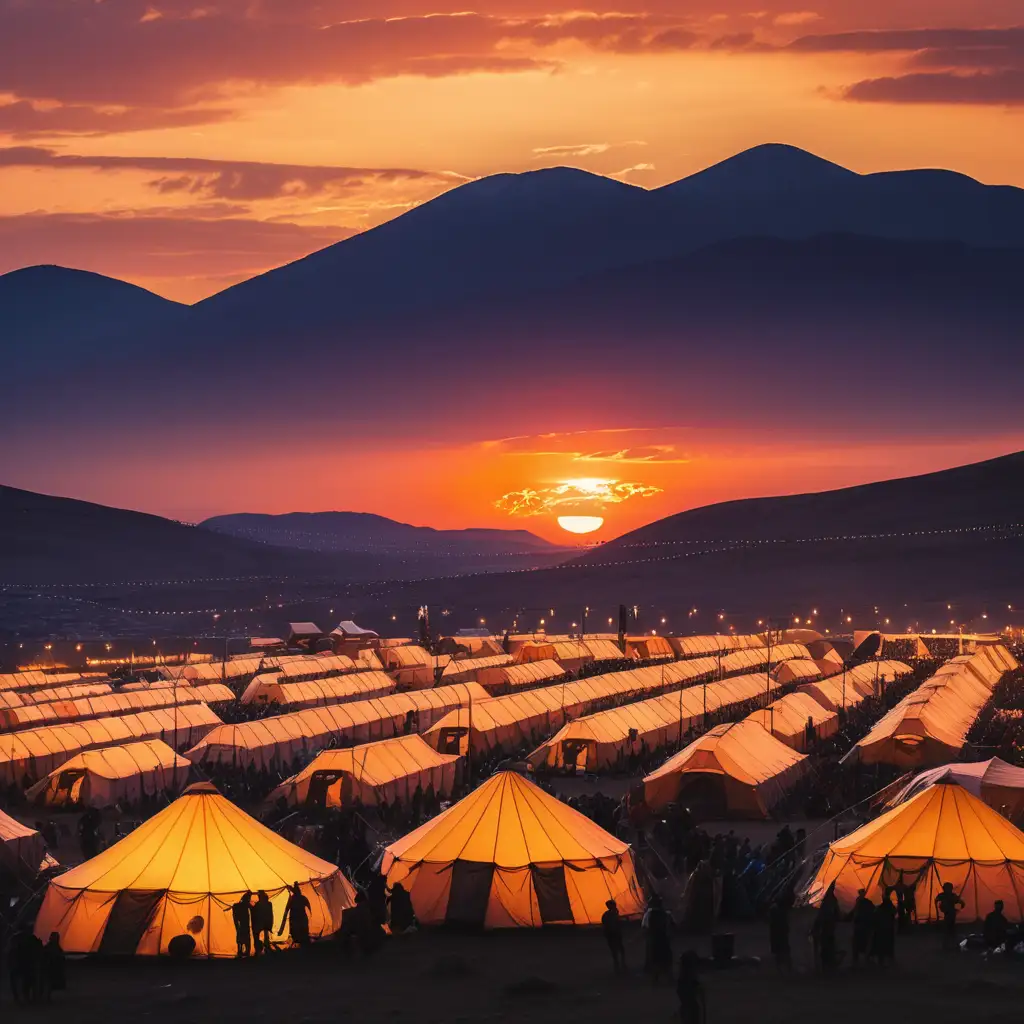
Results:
[944, 823]
[379, 763]
[11, 829]
[202, 843]
[743, 750]
[121, 762]
[508, 822]
[973, 774]
[348, 628]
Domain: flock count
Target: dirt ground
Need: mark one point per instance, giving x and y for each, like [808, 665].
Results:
[556, 976]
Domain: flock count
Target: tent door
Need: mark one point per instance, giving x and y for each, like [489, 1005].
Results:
[574, 754]
[451, 741]
[66, 783]
[552, 895]
[319, 783]
[469, 893]
[128, 921]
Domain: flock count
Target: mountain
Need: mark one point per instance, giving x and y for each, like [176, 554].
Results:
[49, 312]
[365, 532]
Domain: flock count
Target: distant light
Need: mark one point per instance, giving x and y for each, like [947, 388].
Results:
[760, 622]
[542, 622]
[663, 622]
[609, 622]
[849, 619]
[814, 611]
[796, 619]
[721, 618]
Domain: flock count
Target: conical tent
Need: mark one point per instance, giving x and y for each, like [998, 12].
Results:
[998, 784]
[941, 835]
[180, 872]
[511, 856]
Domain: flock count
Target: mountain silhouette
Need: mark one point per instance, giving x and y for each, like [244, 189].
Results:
[366, 532]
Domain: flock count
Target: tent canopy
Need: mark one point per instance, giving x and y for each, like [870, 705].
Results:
[21, 848]
[101, 778]
[273, 688]
[998, 784]
[192, 860]
[386, 770]
[788, 718]
[505, 678]
[736, 768]
[510, 855]
[943, 834]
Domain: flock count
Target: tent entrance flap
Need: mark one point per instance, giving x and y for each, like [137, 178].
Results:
[469, 894]
[69, 785]
[319, 784]
[552, 894]
[574, 753]
[128, 921]
[704, 793]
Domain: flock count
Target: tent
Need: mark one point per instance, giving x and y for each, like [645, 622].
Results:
[102, 778]
[572, 655]
[278, 740]
[36, 752]
[852, 687]
[736, 769]
[273, 688]
[750, 659]
[22, 849]
[386, 770]
[180, 872]
[503, 679]
[998, 784]
[511, 856]
[649, 648]
[789, 718]
[930, 725]
[943, 834]
[466, 669]
[796, 670]
[607, 739]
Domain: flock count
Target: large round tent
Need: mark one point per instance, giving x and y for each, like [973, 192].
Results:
[511, 856]
[180, 872]
[941, 835]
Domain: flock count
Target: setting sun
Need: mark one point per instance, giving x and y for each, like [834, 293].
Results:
[580, 524]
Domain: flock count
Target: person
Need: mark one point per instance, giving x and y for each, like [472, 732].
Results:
[883, 935]
[88, 834]
[690, 990]
[996, 928]
[947, 903]
[823, 930]
[53, 965]
[296, 916]
[863, 925]
[658, 941]
[611, 924]
[358, 923]
[262, 923]
[241, 915]
[24, 965]
[778, 929]
[906, 903]
[402, 916]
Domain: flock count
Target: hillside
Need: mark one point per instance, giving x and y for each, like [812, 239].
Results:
[362, 531]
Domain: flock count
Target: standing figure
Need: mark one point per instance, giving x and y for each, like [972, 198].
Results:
[883, 939]
[778, 930]
[863, 926]
[658, 939]
[262, 923]
[241, 915]
[690, 990]
[947, 903]
[296, 916]
[611, 924]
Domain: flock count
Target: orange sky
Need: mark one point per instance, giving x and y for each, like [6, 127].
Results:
[187, 146]
[146, 139]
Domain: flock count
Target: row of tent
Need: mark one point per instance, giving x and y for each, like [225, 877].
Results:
[35, 679]
[930, 725]
[105, 705]
[852, 687]
[507, 855]
[270, 688]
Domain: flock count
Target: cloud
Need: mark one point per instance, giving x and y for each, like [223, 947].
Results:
[24, 119]
[589, 493]
[130, 244]
[583, 148]
[1000, 88]
[235, 180]
[796, 18]
[665, 453]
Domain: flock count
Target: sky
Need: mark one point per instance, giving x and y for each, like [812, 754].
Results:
[187, 145]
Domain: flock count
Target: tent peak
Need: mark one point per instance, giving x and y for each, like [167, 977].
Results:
[201, 788]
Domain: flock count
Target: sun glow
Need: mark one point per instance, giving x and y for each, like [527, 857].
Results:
[580, 524]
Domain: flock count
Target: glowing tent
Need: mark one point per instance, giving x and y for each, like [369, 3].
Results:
[790, 717]
[998, 784]
[649, 648]
[750, 659]
[941, 835]
[796, 670]
[511, 856]
[274, 688]
[606, 739]
[36, 752]
[466, 669]
[736, 769]
[507, 678]
[180, 872]
[386, 770]
[22, 849]
[102, 778]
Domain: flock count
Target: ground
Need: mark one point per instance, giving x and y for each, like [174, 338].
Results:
[556, 976]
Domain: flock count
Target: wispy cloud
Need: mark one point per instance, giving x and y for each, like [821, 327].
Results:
[583, 148]
[590, 494]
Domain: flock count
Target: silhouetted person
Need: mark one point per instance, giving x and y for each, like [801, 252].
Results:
[658, 941]
[883, 935]
[377, 897]
[611, 925]
[947, 903]
[88, 837]
[296, 916]
[826, 922]
[402, 916]
[906, 904]
[262, 923]
[996, 928]
[778, 930]
[24, 965]
[690, 990]
[863, 925]
[241, 915]
[54, 974]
